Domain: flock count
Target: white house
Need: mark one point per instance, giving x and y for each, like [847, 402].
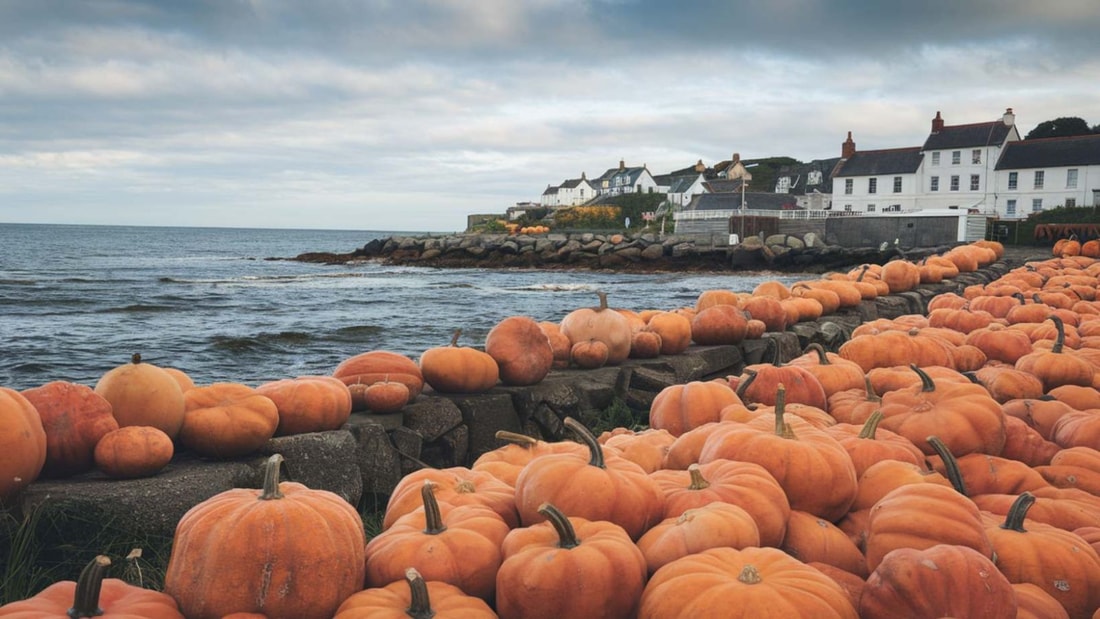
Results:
[1033, 175]
[959, 160]
[876, 180]
[620, 180]
[570, 193]
[684, 188]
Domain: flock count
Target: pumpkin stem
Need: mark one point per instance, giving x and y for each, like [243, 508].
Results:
[863, 272]
[433, 517]
[781, 427]
[822, 358]
[871, 425]
[750, 575]
[514, 437]
[135, 358]
[698, 482]
[774, 343]
[588, 440]
[1060, 340]
[927, 385]
[88, 586]
[271, 478]
[870, 389]
[454, 338]
[950, 464]
[603, 301]
[420, 606]
[1014, 521]
[567, 536]
[743, 384]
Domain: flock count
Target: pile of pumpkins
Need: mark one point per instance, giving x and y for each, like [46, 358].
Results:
[939, 465]
[1072, 246]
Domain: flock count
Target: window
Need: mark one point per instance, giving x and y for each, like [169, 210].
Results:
[897, 184]
[975, 182]
[1039, 178]
[956, 157]
[1071, 178]
[976, 156]
[848, 186]
[935, 184]
[1036, 205]
[954, 182]
[870, 208]
[936, 158]
[1012, 178]
[1010, 208]
[872, 185]
[814, 178]
[1071, 202]
[847, 207]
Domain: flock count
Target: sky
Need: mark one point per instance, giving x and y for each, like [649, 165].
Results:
[411, 114]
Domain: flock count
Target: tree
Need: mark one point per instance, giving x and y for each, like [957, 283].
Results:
[1060, 128]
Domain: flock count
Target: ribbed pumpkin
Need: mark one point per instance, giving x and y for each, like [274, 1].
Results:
[458, 369]
[94, 595]
[308, 403]
[559, 343]
[719, 324]
[133, 451]
[679, 408]
[867, 444]
[143, 394]
[834, 372]
[589, 354]
[227, 420]
[1055, 367]
[714, 525]
[810, 538]
[674, 329]
[74, 417]
[505, 463]
[456, 485]
[22, 443]
[285, 551]
[378, 365]
[385, 397]
[413, 597]
[521, 349]
[600, 323]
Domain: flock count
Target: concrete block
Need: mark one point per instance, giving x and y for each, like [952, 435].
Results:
[321, 461]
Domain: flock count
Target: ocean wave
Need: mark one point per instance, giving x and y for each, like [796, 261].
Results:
[138, 308]
[261, 342]
[252, 280]
[18, 282]
[554, 287]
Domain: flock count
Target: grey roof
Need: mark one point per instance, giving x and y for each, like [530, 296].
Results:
[550, 191]
[732, 201]
[880, 162]
[680, 184]
[723, 186]
[573, 183]
[962, 136]
[1050, 153]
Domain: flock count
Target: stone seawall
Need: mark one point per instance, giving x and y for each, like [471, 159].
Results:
[619, 252]
[372, 452]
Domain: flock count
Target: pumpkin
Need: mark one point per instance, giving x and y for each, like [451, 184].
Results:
[772, 288]
[569, 566]
[758, 383]
[1024, 443]
[679, 408]
[455, 485]
[1034, 603]
[768, 310]
[849, 582]
[755, 329]
[599, 487]
[227, 420]
[522, 351]
[378, 365]
[505, 463]
[714, 525]
[1077, 396]
[1059, 562]
[941, 581]
[559, 343]
[867, 444]
[459, 545]
[1006, 383]
[1040, 413]
[1055, 367]
[285, 551]
[589, 355]
[745, 484]
[142, 394]
[133, 451]
[710, 298]
[308, 403]
[882, 478]
[412, 597]
[458, 369]
[646, 448]
[719, 324]
[385, 397]
[854, 406]
[182, 378]
[834, 372]
[22, 443]
[757, 583]
[810, 538]
[674, 329]
[74, 417]
[645, 344]
[1078, 429]
[600, 323]
[93, 595]
[901, 275]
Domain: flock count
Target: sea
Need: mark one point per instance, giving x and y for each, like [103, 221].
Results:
[230, 304]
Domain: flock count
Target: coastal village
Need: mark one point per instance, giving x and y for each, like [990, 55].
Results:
[982, 168]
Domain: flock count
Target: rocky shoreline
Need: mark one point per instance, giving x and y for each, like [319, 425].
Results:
[618, 252]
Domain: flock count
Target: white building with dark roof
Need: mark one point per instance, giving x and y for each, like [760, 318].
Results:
[1034, 175]
[876, 180]
[570, 193]
[959, 162]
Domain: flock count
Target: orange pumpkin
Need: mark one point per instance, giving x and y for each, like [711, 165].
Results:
[458, 369]
[719, 324]
[22, 443]
[93, 595]
[266, 551]
[521, 349]
[385, 397]
[715, 525]
[455, 485]
[675, 332]
[710, 298]
[413, 597]
[758, 383]
[757, 583]
[227, 420]
[133, 451]
[142, 394]
[559, 343]
[74, 417]
[589, 355]
[645, 344]
[505, 463]
[378, 365]
[810, 539]
[768, 310]
[600, 323]
[834, 372]
[901, 275]
[550, 568]
[1034, 603]
[308, 403]
[866, 444]
[679, 408]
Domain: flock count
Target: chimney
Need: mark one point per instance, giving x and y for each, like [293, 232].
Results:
[937, 123]
[622, 165]
[736, 159]
[848, 148]
[699, 167]
[583, 177]
[1009, 118]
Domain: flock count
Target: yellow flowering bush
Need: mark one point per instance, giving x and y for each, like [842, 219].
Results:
[588, 217]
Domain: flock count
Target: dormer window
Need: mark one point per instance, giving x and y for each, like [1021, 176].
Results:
[814, 177]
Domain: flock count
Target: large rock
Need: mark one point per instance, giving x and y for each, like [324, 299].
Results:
[321, 461]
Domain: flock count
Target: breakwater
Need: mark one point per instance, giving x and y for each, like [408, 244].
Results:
[619, 252]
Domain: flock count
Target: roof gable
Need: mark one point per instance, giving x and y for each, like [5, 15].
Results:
[962, 136]
[878, 162]
[1050, 153]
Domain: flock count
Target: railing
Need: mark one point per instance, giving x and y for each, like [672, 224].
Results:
[799, 214]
